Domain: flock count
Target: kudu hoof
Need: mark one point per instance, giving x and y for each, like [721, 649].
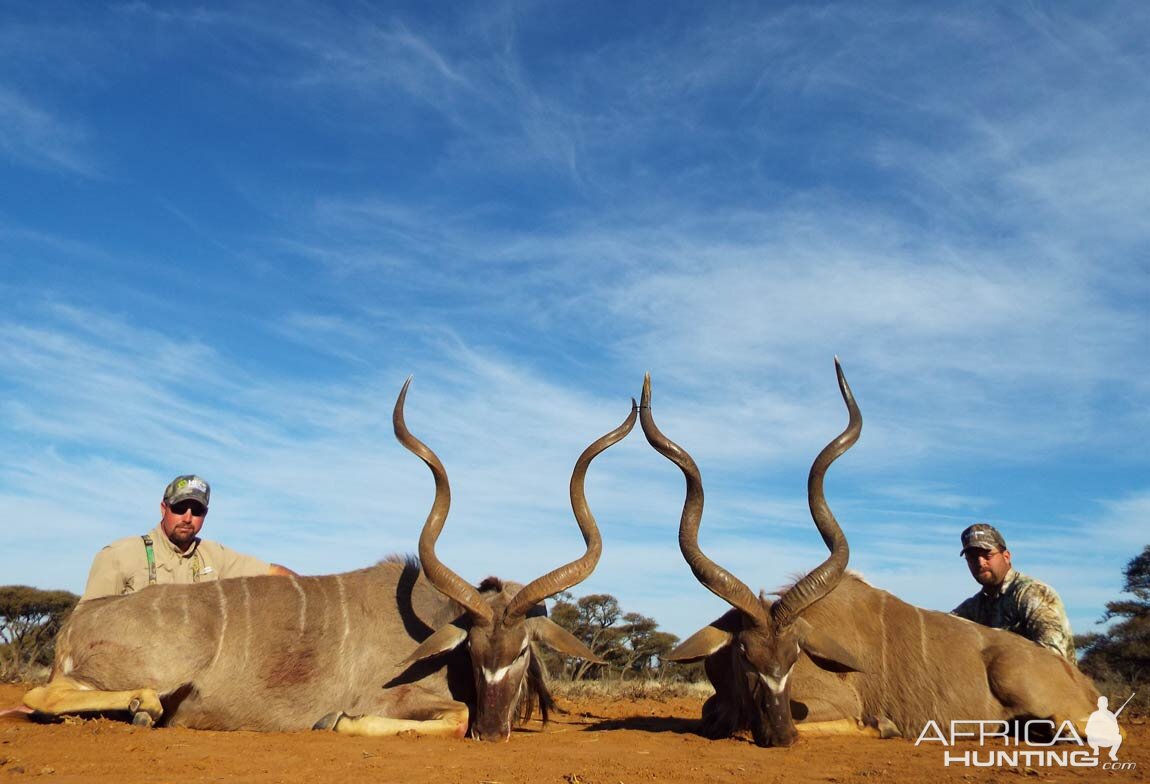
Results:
[140, 718]
[887, 729]
[40, 717]
[881, 726]
[143, 719]
[329, 721]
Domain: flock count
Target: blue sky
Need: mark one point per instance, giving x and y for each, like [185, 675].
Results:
[228, 233]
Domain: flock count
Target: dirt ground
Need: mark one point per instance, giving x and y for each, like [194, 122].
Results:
[598, 741]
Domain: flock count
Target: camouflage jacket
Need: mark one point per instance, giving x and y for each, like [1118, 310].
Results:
[1024, 606]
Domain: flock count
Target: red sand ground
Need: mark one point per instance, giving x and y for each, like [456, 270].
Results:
[599, 741]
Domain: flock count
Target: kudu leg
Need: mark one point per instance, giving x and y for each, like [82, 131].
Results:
[871, 727]
[449, 726]
[826, 719]
[403, 709]
[836, 710]
[65, 696]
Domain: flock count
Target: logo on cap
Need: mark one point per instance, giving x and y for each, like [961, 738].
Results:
[187, 487]
[982, 536]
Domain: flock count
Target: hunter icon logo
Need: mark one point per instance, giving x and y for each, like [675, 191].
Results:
[1034, 743]
[1102, 728]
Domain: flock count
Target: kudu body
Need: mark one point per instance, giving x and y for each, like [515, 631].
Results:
[405, 645]
[834, 653]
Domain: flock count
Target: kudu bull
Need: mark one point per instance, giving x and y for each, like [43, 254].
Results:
[873, 662]
[378, 651]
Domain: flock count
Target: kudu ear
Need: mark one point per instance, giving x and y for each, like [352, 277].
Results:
[543, 629]
[701, 644]
[446, 639]
[824, 650]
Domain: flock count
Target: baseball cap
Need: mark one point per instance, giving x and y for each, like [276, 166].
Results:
[188, 486]
[983, 536]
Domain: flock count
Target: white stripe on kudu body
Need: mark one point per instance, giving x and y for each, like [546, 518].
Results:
[247, 602]
[302, 601]
[223, 620]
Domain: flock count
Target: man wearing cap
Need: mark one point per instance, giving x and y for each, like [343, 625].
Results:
[1009, 599]
[172, 552]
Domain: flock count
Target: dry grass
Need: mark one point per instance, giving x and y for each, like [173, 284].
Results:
[32, 674]
[1117, 690]
[630, 690]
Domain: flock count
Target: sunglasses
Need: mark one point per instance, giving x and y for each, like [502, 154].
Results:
[195, 507]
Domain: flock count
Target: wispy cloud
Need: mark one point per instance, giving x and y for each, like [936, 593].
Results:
[34, 136]
[324, 465]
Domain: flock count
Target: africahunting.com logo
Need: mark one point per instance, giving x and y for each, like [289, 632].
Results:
[1038, 743]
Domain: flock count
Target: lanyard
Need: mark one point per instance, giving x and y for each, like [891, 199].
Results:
[197, 562]
[151, 559]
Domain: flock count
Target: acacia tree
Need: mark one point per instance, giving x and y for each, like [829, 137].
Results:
[628, 642]
[1122, 652]
[643, 645]
[29, 621]
[594, 624]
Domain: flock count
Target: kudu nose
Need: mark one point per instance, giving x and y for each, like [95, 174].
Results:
[493, 734]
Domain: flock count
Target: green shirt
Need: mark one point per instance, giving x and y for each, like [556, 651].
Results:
[122, 566]
[1024, 606]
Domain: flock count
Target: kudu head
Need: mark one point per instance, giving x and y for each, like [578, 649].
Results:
[499, 623]
[758, 642]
